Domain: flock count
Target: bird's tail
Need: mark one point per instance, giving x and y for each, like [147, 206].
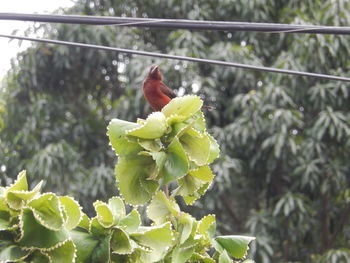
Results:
[208, 108]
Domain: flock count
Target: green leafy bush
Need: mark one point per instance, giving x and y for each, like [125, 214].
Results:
[169, 146]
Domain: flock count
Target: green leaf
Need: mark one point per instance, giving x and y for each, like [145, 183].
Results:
[224, 257]
[157, 238]
[161, 207]
[9, 251]
[104, 214]
[193, 239]
[94, 247]
[207, 226]
[214, 149]
[149, 185]
[185, 226]
[131, 222]
[176, 119]
[3, 204]
[30, 228]
[197, 146]
[120, 242]
[132, 174]
[116, 133]
[134, 258]
[184, 106]
[189, 199]
[202, 258]
[5, 218]
[151, 145]
[203, 174]
[101, 253]
[97, 229]
[199, 122]
[85, 244]
[64, 253]
[91, 248]
[189, 185]
[85, 222]
[117, 207]
[236, 246]
[160, 159]
[153, 128]
[72, 211]
[181, 255]
[17, 195]
[176, 164]
[178, 126]
[46, 210]
[17, 199]
[194, 184]
[38, 257]
[20, 184]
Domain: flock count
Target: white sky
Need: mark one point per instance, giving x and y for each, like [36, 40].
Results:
[9, 49]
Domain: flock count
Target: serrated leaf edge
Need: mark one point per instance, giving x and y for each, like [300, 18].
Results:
[57, 246]
[143, 125]
[20, 217]
[63, 208]
[129, 239]
[36, 188]
[39, 218]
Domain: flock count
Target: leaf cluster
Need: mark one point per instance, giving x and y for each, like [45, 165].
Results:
[283, 174]
[44, 227]
[169, 146]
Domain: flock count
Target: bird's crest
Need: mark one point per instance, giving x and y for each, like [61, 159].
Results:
[154, 73]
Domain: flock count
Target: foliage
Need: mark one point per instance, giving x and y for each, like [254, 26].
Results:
[171, 145]
[67, 234]
[283, 174]
[36, 227]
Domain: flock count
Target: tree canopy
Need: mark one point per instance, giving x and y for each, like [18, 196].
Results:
[283, 175]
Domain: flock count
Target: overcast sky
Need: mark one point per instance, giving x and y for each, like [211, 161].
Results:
[9, 49]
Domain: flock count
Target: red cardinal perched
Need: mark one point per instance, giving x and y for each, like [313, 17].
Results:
[156, 92]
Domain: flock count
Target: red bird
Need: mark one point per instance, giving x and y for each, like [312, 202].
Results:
[156, 92]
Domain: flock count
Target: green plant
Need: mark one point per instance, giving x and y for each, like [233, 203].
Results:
[171, 146]
[284, 140]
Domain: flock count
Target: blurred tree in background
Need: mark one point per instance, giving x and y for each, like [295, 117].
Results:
[284, 173]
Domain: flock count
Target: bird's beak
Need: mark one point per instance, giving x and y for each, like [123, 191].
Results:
[155, 69]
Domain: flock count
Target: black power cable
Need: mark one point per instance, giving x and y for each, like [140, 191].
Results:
[191, 59]
[177, 23]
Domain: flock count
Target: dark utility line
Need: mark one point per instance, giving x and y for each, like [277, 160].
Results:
[177, 23]
[175, 57]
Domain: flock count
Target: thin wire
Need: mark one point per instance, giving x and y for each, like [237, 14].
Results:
[177, 23]
[299, 30]
[184, 58]
[136, 23]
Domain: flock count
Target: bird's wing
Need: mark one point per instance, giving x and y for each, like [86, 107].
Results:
[164, 88]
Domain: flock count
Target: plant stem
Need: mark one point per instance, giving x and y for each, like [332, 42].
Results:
[166, 190]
